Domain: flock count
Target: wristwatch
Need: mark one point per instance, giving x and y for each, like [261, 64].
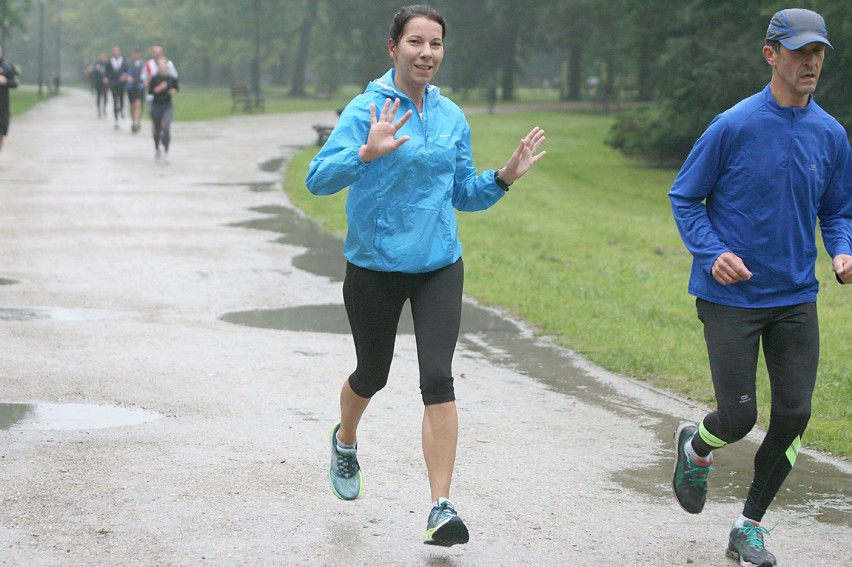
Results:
[502, 184]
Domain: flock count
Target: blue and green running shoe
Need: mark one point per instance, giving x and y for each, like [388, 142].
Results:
[745, 544]
[344, 474]
[445, 528]
[690, 479]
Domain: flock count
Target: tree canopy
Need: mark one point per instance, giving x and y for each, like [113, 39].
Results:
[687, 60]
[13, 16]
[712, 62]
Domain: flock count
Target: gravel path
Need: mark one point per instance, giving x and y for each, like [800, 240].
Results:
[128, 266]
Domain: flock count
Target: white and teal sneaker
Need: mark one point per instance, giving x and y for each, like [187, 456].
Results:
[745, 544]
[344, 474]
[445, 528]
[689, 481]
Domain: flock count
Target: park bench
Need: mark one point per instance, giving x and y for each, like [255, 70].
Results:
[240, 95]
[324, 130]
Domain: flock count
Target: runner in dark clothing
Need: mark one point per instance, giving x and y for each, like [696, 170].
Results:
[8, 80]
[163, 87]
[97, 76]
[116, 75]
[135, 89]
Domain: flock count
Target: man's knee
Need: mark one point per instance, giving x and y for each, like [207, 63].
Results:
[737, 426]
[793, 419]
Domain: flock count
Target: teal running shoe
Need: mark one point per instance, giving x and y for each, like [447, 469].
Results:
[344, 474]
[690, 479]
[745, 545]
[445, 528]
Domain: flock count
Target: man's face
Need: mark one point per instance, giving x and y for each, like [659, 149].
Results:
[796, 72]
[156, 52]
[116, 52]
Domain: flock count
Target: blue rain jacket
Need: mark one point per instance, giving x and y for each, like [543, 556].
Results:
[399, 207]
[755, 184]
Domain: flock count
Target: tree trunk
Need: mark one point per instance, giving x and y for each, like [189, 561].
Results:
[300, 65]
[255, 61]
[510, 65]
[205, 70]
[575, 71]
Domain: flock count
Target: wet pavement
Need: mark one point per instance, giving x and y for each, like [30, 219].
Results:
[193, 298]
[815, 489]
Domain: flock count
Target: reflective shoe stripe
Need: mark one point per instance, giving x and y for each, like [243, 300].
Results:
[793, 450]
[709, 438]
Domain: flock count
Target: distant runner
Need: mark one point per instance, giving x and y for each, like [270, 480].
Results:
[8, 80]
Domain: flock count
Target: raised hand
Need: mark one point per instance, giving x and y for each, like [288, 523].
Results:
[524, 156]
[381, 139]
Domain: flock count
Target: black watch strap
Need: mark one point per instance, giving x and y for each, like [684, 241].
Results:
[502, 184]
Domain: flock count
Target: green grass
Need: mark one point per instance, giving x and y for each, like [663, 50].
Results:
[585, 250]
[23, 98]
[206, 103]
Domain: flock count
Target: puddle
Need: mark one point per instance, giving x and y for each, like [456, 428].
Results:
[17, 314]
[6, 281]
[814, 488]
[68, 417]
[324, 251]
[331, 318]
[55, 313]
[305, 318]
[272, 165]
[253, 186]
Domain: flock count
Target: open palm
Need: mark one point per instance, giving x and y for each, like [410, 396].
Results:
[524, 156]
[381, 139]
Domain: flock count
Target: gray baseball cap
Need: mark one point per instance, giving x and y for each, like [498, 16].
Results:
[796, 27]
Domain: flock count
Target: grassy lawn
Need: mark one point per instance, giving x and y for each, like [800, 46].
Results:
[584, 249]
[23, 98]
[205, 103]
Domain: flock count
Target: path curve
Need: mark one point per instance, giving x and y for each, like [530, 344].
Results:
[132, 264]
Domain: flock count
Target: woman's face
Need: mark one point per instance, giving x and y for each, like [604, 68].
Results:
[163, 66]
[417, 55]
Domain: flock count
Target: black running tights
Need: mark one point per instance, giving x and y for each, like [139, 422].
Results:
[790, 337]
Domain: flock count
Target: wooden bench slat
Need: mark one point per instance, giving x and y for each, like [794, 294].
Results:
[240, 95]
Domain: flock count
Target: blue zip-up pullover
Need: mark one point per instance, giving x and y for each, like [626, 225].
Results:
[400, 206]
[754, 184]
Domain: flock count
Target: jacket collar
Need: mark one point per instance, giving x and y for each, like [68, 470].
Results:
[778, 109]
[385, 84]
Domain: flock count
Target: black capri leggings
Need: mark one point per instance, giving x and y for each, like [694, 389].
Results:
[374, 302]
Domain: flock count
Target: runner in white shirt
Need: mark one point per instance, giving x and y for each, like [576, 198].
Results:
[150, 69]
